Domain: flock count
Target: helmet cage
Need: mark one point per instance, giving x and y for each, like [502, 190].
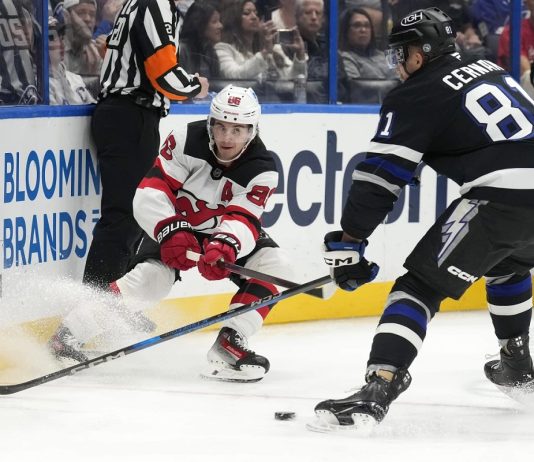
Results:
[397, 51]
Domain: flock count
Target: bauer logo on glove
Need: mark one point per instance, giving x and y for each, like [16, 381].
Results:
[176, 237]
[220, 247]
[170, 228]
[227, 239]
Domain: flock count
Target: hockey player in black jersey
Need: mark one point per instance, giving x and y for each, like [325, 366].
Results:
[470, 121]
[205, 193]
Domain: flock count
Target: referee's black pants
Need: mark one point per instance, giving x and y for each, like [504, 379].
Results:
[127, 141]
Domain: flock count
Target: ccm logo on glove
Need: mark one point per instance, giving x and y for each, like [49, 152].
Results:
[170, 228]
[348, 267]
[340, 261]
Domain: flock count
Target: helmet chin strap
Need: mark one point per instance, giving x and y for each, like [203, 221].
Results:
[405, 58]
[409, 74]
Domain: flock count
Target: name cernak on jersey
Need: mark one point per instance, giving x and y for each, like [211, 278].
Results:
[465, 74]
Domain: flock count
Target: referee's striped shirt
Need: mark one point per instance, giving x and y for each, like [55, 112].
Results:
[141, 58]
[18, 77]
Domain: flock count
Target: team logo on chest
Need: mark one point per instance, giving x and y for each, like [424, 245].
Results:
[198, 212]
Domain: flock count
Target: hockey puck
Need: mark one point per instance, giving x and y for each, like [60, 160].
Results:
[284, 415]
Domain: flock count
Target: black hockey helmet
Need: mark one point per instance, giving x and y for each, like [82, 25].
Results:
[430, 28]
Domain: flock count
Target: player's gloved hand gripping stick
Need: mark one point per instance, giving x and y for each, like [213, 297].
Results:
[219, 248]
[348, 267]
[175, 236]
[324, 292]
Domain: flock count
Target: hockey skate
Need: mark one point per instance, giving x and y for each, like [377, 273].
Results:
[363, 410]
[231, 361]
[514, 373]
[137, 321]
[63, 345]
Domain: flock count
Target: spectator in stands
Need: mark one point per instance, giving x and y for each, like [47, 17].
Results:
[357, 45]
[374, 9]
[470, 44]
[369, 76]
[107, 11]
[249, 51]
[65, 86]
[81, 53]
[284, 17]
[106, 14]
[201, 30]
[489, 18]
[18, 76]
[527, 42]
[310, 20]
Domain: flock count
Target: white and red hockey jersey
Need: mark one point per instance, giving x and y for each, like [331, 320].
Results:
[187, 180]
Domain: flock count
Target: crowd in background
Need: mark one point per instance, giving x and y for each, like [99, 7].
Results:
[278, 47]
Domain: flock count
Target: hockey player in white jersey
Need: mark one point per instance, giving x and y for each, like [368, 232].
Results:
[205, 193]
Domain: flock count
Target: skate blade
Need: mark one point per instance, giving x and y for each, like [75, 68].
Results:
[246, 374]
[326, 422]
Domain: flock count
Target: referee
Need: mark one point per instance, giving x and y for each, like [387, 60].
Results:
[140, 76]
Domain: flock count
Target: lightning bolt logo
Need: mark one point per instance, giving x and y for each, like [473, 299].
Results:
[456, 227]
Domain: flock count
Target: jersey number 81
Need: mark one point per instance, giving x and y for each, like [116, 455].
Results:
[493, 108]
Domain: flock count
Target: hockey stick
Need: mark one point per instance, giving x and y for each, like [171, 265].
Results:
[318, 292]
[267, 301]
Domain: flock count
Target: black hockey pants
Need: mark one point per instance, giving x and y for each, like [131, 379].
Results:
[470, 240]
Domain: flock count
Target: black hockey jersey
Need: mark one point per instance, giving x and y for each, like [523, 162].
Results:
[186, 180]
[467, 119]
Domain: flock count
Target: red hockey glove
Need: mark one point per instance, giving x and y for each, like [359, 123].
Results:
[176, 237]
[219, 247]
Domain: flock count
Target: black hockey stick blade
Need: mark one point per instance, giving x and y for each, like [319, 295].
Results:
[242, 271]
[267, 301]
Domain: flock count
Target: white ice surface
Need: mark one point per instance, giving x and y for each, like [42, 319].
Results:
[152, 405]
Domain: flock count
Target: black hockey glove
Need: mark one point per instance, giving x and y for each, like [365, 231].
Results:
[348, 268]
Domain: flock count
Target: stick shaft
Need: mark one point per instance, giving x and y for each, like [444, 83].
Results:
[242, 271]
[267, 301]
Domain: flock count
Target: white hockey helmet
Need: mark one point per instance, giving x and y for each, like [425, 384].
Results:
[238, 105]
